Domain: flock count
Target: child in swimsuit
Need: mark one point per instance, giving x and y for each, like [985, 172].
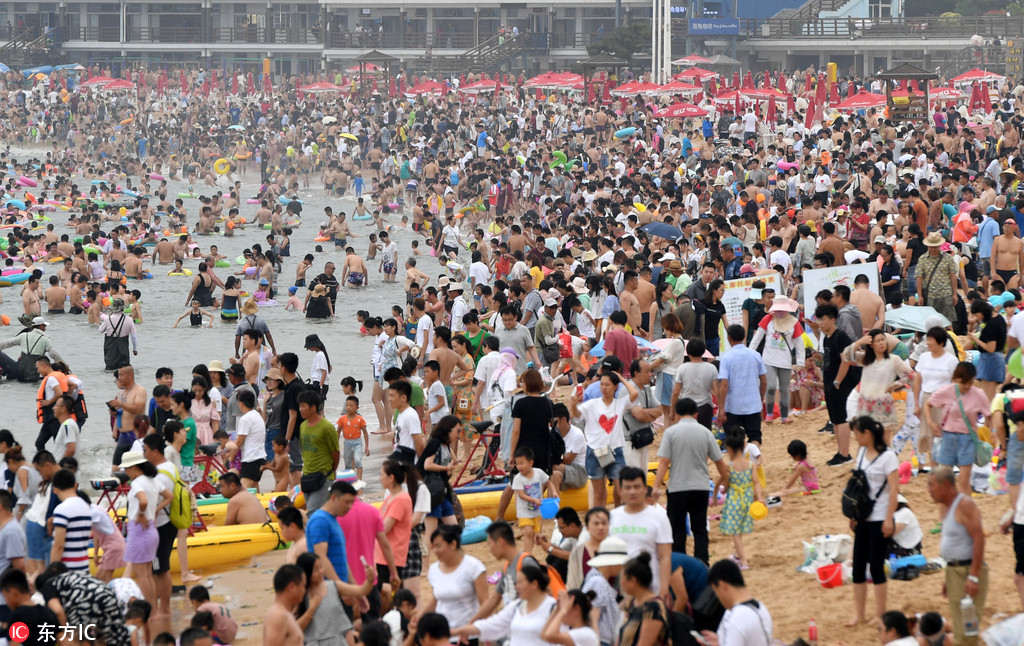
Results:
[804, 470]
[229, 304]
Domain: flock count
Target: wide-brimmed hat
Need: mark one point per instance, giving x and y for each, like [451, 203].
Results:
[456, 287]
[444, 281]
[25, 320]
[784, 304]
[934, 239]
[250, 306]
[589, 256]
[215, 366]
[273, 373]
[612, 551]
[134, 459]
[579, 285]
[674, 265]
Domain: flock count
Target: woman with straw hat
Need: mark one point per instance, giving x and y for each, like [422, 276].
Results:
[783, 350]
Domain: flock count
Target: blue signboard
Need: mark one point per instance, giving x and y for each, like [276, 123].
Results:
[714, 27]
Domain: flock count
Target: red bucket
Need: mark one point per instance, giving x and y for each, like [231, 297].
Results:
[830, 576]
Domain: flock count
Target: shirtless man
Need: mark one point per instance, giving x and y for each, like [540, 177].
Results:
[243, 506]
[645, 295]
[163, 253]
[55, 296]
[252, 355]
[30, 296]
[181, 247]
[339, 231]
[1008, 255]
[280, 626]
[133, 264]
[131, 401]
[66, 272]
[870, 304]
[354, 274]
[631, 304]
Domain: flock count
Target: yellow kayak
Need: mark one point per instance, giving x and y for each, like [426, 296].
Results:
[214, 513]
[222, 545]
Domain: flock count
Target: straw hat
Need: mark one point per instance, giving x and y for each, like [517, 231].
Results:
[934, 239]
[443, 281]
[135, 458]
[612, 551]
[250, 307]
[589, 256]
[274, 373]
[215, 366]
[579, 285]
[784, 304]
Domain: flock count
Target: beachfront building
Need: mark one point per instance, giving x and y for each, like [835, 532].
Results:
[450, 36]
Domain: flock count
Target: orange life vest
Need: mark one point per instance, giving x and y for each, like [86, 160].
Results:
[62, 384]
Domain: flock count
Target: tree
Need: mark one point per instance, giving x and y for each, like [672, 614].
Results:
[623, 41]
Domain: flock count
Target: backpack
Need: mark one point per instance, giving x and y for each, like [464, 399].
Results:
[556, 585]
[857, 499]
[680, 627]
[180, 509]
[557, 447]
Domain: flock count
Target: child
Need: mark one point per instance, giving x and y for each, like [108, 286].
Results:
[228, 453]
[361, 316]
[371, 251]
[223, 625]
[415, 245]
[356, 440]
[292, 530]
[804, 470]
[135, 619]
[743, 489]
[528, 486]
[808, 385]
[280, 465]
[263, 293]
[195, 316]
[437, 396]
[294, 302]
[403, 606]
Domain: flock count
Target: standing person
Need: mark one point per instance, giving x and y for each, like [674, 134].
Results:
[436, 464]
[13, 547]
[72, 524]
[252, 321]
[458, 580]
[933, 369]
[638, 417]
[36, 533]
[989, 338]
[746, 621]
[783, 350]
[667, 362]
[324, 621]
[742, 383]
[644, 527]
[53, 386]
[396, 513]
[938, 278]
[251, 432]
[882, 373]
[33, 343]
[953, 411]
[205, 410]
[646, 620]
[66, 439]
[320, 370]
[324, 536]
[520, 623]
[130, 402]
[685, 449]
[602, 426]
[711, 309]
[116, 327]
[291, 420]
[145, 498]
[840, 379]
[962, 546]
[880, 466]
[280, 626]
[695, 380]
[272, 410]
[320, 452]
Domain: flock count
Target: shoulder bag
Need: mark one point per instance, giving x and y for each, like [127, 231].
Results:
[982, 449]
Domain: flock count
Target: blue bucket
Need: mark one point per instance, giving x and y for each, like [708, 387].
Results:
[549, 507]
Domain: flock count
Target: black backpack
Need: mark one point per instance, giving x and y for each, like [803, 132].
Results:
[857, 499]
[557, 447]
[680, 627]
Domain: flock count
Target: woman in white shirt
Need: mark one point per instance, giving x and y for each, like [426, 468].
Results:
[880, 465]
[933, 370]
[145, 498]
[520, 622]
[573, 612]
[907, 534]
[668, 360]
[458, 580]
[321, 368]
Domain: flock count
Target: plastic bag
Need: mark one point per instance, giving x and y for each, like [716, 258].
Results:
[1006, 633]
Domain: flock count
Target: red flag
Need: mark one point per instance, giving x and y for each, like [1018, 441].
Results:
[851, 89]
[392, 87]
[250, 85]
[780, 83]
[809, 117]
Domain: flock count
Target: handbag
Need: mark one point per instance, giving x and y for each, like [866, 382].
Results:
[437, 486]
[982, 449]
[642, 437]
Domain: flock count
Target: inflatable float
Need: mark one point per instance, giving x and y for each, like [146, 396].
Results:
[14, 279]
[475, 530]
[183, 272]
[26, 181]
[221, 545]
[222, 166]
[625, 132]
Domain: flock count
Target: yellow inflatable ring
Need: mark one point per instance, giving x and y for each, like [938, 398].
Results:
[245, 154]
[222, 166]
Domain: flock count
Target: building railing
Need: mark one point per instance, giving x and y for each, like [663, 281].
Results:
[930, 27]
[245, 34]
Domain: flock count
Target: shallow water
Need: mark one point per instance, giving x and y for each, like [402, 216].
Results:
[163, 300]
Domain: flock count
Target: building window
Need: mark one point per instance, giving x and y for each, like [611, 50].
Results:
[880, 8]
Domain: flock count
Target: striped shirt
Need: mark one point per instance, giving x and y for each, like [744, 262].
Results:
[75, 515]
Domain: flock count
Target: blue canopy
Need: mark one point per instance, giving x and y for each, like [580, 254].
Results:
[68, 66]
[4, 69]
[42, 69]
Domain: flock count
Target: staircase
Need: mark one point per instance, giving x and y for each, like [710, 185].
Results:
[18, 53]
[810, 10]
[487, 56]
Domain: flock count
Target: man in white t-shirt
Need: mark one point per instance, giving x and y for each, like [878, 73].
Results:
[645, 528]
[424, 328]
[251, 433]
[488, 364]
[746, 621]
[66, 439]
[459, 307]
[571, 473]
[408, 430]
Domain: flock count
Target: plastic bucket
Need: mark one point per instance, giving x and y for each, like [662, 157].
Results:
[831, 575]
[549, 507]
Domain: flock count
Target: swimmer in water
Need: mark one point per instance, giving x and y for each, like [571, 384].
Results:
[195, 316]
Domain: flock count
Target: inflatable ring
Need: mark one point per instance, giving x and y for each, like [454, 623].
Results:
[321, 239]
[559, 156]
[240, 260]
[368, 216]
[183, 272]
[252, 200]
[625, 132]
[146, 275]
[245, 154]
[186, 195]
[222, 166]
[222, 263]
[156, 176]
[125, 122]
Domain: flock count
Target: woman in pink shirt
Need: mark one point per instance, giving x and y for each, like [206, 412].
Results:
[956, 409]
[396, 514]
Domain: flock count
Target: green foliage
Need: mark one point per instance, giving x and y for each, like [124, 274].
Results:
[624, 41]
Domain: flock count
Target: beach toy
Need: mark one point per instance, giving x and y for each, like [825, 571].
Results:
[222, 263]
[475, 530]
[156, 176]
[625, 132]
[252, 200]
[146, 275]
[4, 319]
[14, 279]
[287, 200]
[185, 196]
[183, 272]
[222, 166]
[240, 260]
[245, 154]
[318, 238]
[639, 206]
[18, 204]
[758, 511]
[250, 271]
[906, 471]
[26, 181]
[829, 576]
[368, 216]
[266, 303]
[549, 507]
[1015, 365]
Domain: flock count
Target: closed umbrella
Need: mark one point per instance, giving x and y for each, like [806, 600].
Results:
[833, 94]
[780, 83]
[268, 85]
[809, 117]
[250, 85]
[771, 118]
[736, 80]
[748, 79]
